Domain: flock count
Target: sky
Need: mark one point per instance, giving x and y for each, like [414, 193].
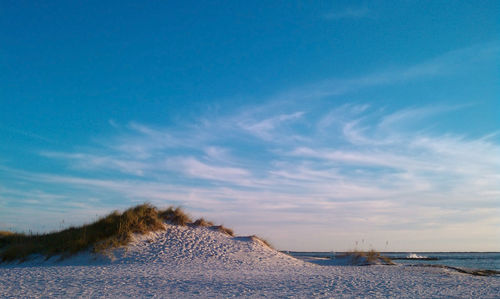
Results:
[318, 125]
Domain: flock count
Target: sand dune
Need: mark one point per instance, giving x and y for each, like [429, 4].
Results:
[187, 262]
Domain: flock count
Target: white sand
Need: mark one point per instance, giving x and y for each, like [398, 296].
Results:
[184, 262]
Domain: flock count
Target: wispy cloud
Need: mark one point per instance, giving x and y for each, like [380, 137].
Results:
[27, 134]
[87, 161]
[348, 13]
[194, 168]
[447, 64]
[264, 128]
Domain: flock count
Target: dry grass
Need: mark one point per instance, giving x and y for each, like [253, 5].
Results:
[175, 216]
[203, 222]
[224, 229]
[264, 241]
[113, 230]
[370, 257]
[4, 233]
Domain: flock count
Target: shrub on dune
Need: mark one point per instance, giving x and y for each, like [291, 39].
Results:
[368, 257]
[4, 233]
[224, 229]
[175, 216]
[264, 241]
[202, 222]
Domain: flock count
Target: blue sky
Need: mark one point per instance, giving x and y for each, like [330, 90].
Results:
[315, 125]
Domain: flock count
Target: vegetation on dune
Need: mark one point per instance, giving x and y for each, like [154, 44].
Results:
[203, 222]
[4, 233]
[113, 230]
[175, 216]
[224, 229]
[369, 257]
[264, 241]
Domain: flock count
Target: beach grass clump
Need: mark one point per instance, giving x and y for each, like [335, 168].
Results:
[137, 220]
[4, 233]
[203, 222]
[175, 216]
[368, 257]
[263, 241]
[224, 229]
[110, 231]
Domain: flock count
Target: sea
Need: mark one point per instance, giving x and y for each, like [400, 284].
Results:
[467, 260]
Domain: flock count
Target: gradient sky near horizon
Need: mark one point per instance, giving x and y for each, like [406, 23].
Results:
[317, 125]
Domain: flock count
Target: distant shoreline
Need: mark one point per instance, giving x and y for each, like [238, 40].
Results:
[474, 263]
[284, 251]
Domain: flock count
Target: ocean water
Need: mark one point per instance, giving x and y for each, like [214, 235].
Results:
[469, 260]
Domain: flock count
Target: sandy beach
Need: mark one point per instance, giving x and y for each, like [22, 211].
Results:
[187, 262]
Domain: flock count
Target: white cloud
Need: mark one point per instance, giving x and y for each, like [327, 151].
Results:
[194, 168]
[452, 62]
[348, 13]
[217, 153]
[93, 161]
[264, 128]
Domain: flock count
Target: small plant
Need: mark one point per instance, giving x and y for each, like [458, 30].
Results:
[4, 233]
[368, 257]
[265, 242]
[224, 229]
[175, 216]
[203, 222]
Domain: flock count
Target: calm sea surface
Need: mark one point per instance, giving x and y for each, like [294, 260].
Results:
[470, 260]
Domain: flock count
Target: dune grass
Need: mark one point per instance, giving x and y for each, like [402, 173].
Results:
[203, 222]
[4, 233]
[224, 229]
[175, 216]
[370, 257]
[113, 230]
[264, 241]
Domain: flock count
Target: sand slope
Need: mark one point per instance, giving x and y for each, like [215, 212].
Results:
[184, 262]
